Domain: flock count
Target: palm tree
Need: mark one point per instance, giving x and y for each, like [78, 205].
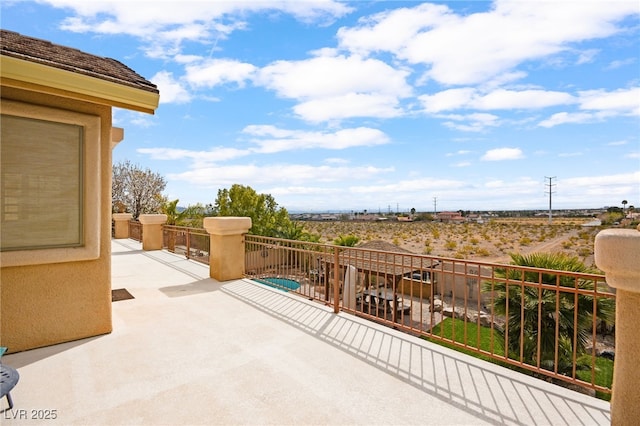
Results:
[540, 305]
[346, 240]
[624, 203]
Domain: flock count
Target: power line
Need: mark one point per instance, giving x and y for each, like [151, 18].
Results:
[551, 191]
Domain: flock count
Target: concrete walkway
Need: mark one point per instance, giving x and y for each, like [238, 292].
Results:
[189, 350]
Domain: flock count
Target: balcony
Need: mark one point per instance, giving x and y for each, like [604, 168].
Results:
[188, 349]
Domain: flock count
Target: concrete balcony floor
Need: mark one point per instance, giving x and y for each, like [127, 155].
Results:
[190, 350]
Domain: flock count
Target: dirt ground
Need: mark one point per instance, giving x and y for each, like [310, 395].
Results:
[491, 241]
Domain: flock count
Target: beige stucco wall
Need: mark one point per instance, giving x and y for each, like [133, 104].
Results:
[52, 303]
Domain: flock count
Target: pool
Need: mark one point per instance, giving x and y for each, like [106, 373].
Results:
[284, 284]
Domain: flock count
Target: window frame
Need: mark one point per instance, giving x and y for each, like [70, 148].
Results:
[89, 248]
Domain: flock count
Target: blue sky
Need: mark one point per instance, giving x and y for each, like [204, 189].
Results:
[373, 105]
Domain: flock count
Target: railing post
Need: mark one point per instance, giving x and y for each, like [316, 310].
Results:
[226, 247]
[152, 230]
[336, 281]
[188, 243]
[121, 221]
[617, 253]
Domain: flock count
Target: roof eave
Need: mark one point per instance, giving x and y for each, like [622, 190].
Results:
[20, 73]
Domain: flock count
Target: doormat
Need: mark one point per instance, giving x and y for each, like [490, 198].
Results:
[120, 294]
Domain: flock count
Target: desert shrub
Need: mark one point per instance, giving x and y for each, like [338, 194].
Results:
[483, 252]
[450, 245]
[585, 252]
[525, 241]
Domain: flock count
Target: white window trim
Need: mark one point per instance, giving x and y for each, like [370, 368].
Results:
[90, 249]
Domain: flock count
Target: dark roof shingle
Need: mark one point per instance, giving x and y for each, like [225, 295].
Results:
[44, 52]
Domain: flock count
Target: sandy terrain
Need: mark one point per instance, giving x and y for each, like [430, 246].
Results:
[491, 242]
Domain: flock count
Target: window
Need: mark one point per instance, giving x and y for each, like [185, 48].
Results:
[49, 185]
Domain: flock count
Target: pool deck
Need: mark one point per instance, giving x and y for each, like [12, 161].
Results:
[189, 350]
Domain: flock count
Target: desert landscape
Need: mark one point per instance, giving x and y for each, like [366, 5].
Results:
[491, 241]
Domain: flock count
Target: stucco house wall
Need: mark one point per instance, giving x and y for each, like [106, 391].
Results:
[50, 303]
[45, 300]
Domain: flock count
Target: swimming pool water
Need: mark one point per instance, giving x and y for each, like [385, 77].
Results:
[284, 284]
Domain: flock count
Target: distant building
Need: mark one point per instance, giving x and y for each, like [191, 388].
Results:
[452, 217]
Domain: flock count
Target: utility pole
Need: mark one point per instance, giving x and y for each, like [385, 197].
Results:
[551, 191]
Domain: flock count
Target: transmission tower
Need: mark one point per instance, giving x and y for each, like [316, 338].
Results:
[435, 205]
[550, 191]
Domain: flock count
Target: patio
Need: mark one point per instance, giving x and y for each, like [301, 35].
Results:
[190, 350]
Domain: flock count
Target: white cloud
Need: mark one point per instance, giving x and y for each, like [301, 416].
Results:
[295, 174]
[447, 100]
[500, 99]
[459, 152]
[333, 76]
[573, 118]
[473, 48]
[501, 154]
[410, 186]
[597, 105]
[198, 158]
[348, 106]
[166, 24]
[617, 143]
[570, 154]
[462, 164]
[271, 139]
[625, 101]
[601, 185]
[337, 87]
[476, 122]
[214, 72]
[171, 90]
[523, 99]
[621, 63]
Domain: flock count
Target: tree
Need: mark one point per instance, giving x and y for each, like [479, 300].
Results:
[413, 211]
[267, 219]
[346, 240]
[135, 190]
[624, 204]
[531, 301]
[296, 231]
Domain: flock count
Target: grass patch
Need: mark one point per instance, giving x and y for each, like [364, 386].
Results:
[603, 377]
[454, 329]
[449, 326]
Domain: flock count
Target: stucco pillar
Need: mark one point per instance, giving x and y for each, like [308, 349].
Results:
[226, 251]
[617, 253]
[152, 230]
[121, 221]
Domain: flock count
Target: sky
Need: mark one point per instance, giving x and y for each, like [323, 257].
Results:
[381, 106]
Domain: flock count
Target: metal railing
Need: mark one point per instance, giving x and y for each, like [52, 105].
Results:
[193, 243]
[546, 322]
[135, 230]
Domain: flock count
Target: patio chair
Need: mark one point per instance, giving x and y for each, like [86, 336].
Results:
[8, 379]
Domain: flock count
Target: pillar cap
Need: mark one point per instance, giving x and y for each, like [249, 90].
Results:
[153, 219]
[122, 216]
[227, 225]
[616, 253]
